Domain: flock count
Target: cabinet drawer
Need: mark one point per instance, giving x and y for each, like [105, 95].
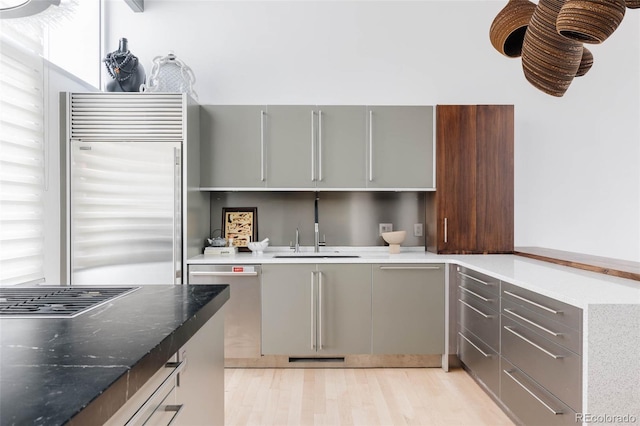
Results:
[480, 293]
[480, 359]
[529, 402]
[555, 310]
[552, 366]
[483, 284]
[555, 331]
[480, 320]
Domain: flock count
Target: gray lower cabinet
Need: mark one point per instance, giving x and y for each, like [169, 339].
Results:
[400, 149]
[232, 146]
[478, 308]
[316, 310]
[531, 403]
[408, 308]
[541, 352]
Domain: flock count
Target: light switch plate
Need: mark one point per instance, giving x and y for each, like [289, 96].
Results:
[385, 227]
[417, 230]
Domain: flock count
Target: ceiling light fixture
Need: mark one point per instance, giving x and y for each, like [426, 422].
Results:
[10, 9]
[550, 35]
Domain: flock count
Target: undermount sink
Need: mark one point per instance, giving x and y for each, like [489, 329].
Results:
[313, 255]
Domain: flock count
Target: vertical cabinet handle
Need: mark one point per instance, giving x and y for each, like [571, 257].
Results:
[445, 230]
[313, 147]
[313, 313]
[370, 146]
[262, 114]
[320, 145]
[319, 310]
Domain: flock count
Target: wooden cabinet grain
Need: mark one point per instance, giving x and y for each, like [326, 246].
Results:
[472, 208]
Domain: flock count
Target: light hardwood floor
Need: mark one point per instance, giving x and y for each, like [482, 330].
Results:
[368, 397]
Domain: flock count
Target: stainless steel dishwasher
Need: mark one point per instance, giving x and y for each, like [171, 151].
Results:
[242, 313]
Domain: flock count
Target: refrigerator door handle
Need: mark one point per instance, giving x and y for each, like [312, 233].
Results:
[177, 219]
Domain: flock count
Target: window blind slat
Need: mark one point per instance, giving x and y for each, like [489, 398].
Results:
[21, 158]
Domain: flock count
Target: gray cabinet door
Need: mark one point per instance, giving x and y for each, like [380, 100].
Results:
[288, 309]
[344, 307]
[341, 146]
[400, 147]
[315, 310]
[408, 309]
[291, 146]
[232, 146]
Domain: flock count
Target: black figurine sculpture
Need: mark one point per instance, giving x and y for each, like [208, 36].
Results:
[125, 69]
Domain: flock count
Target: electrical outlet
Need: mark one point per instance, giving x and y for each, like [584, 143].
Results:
[385, 227]
[417, 230]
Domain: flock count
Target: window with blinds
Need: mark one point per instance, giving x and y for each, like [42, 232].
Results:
[21, 157]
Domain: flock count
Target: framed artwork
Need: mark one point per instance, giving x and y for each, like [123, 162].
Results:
[241, 224]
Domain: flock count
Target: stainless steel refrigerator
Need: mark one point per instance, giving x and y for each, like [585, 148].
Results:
[125, 211]
[128, 188]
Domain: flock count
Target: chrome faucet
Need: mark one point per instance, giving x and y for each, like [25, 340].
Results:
[296, 247]
[316, 231]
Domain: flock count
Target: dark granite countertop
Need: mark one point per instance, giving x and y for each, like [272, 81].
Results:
[82, 370]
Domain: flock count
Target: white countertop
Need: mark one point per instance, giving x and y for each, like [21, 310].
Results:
[570, 285]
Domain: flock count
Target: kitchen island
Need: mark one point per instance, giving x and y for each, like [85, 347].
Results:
[82, 370]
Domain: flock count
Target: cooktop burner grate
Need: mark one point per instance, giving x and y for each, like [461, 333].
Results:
[55, 302]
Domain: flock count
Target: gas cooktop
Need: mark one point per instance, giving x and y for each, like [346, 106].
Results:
[55, 302]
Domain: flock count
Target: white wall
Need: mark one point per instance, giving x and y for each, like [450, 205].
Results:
[577, 158]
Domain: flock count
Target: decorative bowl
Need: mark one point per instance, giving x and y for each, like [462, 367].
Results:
[258, 246]
[394, 239]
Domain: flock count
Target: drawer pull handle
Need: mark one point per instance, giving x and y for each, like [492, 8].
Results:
[475, 309]
[222, 274]
[176, 409]
[168, 381]
[484, 354]
[533, 323]
[535, 345]
[475, 279]
[466, 290]
[512, 377]
[553, 311]
[407, 268]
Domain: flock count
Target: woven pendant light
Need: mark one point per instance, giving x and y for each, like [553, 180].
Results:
[585, 63]
[508, 28]
[590, 21]
[633, 4]
[549, 61]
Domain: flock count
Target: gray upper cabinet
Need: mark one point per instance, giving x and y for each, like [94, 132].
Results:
[232, 146]
[400, 149]
[291, 146]
[341, 146]
[317, 147]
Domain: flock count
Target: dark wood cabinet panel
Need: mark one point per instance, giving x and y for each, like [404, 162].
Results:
[472, 209]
